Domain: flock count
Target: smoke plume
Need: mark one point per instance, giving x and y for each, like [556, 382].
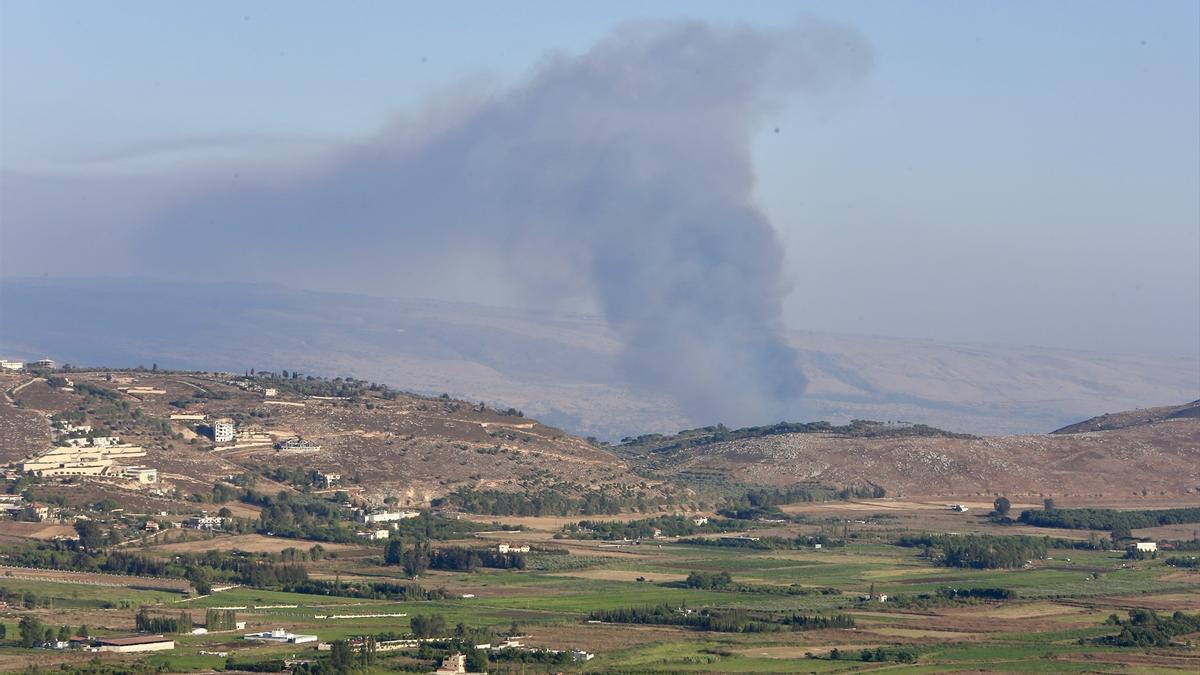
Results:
[622, 176]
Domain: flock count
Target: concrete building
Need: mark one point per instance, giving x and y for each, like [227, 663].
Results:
[1147, 546]
[700, 520]
[223, 431]
[44, 363]
[143, 474]
[297, 445]
[5, 364]
[452, 664]
[89, 460]
[509, 548]
[388, 516]
[205, 522]
[136, 643]
[280, 635]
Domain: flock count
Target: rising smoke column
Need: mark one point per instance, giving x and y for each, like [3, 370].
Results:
[623, 175]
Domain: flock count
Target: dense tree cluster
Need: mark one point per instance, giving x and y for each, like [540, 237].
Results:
[1145, 628]
[145, 622]
[658, 443]
[978, 551]
[547, 502]
[668, 526]
[220, 619]
[722, 620]
[1109, 519]
[709, 580]
[371, 590]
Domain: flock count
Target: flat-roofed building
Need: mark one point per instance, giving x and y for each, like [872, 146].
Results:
[135, 643]
[223, 431]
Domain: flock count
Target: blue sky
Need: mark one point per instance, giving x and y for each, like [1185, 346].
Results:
[1008, 172]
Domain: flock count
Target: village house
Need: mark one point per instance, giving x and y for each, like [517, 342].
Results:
[297, 445]
[452, 664]
[509, 548]
[205, 522]
[1147, 546]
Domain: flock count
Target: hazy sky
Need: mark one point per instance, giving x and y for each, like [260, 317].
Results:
[1005, 172]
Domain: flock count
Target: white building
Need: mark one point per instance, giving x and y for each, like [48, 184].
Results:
[137, 643]
[44, 363]
[205, 522]
[374, 535]
[389, 516]
[509, 548]
[143, 474]
[1148, 546]
[700, 520]
[297, 445]
[280, 635]
[223, 431]
[11, 365]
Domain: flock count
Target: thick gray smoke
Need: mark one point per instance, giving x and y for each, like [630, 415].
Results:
[623, 176]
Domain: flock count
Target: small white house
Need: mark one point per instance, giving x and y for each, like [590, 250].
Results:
[509, 548]
[1147, 546]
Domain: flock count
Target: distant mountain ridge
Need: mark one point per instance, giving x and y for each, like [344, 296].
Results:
[558, 367]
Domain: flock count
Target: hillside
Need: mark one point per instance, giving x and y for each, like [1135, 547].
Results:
[1132, 418]
[559, 367]
[383, 443]
[418, 449]
[1158, 457]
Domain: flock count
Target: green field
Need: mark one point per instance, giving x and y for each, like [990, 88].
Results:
[1067, 601]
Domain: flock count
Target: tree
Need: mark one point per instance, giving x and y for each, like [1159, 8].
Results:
[394, 554]
[201, 578]
[1002, 505]
[477, 661]
[391, 501]
[1048, 504]
[90, 534]
[340, 658]
[225, 512]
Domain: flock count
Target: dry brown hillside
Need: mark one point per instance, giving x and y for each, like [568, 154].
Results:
[1159, 457]
[411, 447]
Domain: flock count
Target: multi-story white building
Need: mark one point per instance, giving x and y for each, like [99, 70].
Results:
[223, 431]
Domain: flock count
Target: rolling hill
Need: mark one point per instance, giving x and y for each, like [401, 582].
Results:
[419, 449]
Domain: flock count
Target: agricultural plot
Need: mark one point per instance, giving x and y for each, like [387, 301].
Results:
[1051, 624]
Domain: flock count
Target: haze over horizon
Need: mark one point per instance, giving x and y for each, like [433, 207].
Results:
[703, 178]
